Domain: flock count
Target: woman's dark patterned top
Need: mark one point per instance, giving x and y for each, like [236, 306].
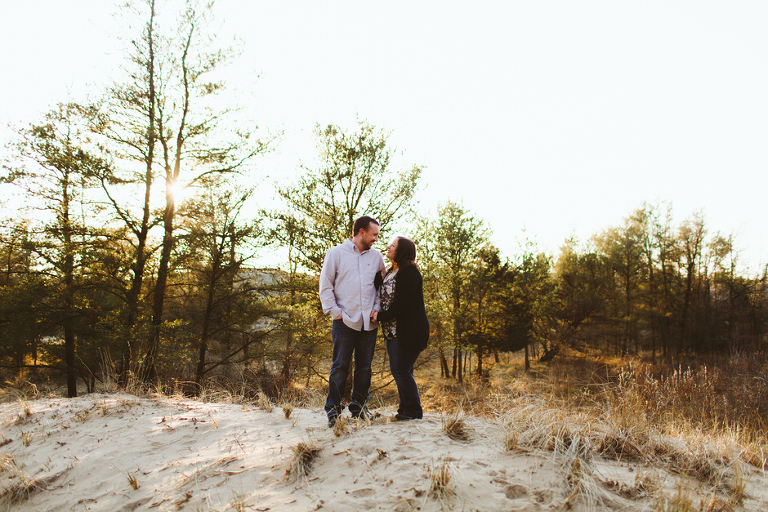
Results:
[386, 296]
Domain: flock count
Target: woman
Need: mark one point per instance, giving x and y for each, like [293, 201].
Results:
[404, 322]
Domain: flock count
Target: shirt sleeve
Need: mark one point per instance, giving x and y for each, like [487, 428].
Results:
[376, 299]
[327, 282]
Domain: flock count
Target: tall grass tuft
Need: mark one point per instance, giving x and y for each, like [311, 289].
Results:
[304, 455]
[456, 428]
[340, 427]
[440, 481]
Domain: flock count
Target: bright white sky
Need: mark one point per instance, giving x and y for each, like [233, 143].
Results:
[556, 117]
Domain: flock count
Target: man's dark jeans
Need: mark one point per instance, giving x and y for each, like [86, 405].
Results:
[345, 341]
[401, 361]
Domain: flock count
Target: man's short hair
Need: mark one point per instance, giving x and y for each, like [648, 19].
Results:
[362, 223]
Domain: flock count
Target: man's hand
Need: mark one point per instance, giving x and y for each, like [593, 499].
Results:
[374, 315]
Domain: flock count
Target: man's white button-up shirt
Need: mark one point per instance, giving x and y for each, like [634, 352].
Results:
[346, 284]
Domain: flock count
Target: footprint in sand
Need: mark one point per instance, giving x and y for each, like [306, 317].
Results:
[515, 491]
[361, 493]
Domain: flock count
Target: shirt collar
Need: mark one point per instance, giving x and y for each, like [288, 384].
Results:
[353, 246]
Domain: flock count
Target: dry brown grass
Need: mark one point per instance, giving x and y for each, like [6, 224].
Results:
[456, 428]
[447, 395]
[304, 455]
[17, 486]
[21, 389]
[679, 423]
[264, 403]
[340, 427]
[441, 481]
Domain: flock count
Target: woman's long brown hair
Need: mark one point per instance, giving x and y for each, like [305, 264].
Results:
[405, 254]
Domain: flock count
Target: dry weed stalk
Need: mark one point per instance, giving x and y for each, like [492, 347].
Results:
[17, 492]
[754, 452]
[238, 502]
[205, 471]
[287, 410]
[440, 485]
[680, 501]
[19, 390]
[738, 486]
[23, 416]
[685, 499]
[340, 427]
[23, 486]
[647, 483]
[132, 481]
[263, 402]
[586, 487]
[109, 378]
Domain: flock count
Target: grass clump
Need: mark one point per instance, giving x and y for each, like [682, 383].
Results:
[340, 427]
[263, 402]
[456, 428]
[19, 487]
[304, 454]
[440, 481]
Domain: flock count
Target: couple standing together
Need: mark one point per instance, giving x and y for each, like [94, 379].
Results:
[360, 293]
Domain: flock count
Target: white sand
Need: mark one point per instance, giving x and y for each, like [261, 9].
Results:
[79, 454]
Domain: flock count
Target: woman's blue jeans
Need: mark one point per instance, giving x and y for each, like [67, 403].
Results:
[346, 341]
[401, 361]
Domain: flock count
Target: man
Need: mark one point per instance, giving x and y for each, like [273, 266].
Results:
[348, 294]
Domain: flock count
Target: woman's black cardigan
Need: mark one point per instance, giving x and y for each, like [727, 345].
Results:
[408, 309]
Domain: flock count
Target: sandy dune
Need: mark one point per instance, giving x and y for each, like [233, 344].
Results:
[82, 454]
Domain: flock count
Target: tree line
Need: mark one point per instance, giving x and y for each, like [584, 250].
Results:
[110, 274]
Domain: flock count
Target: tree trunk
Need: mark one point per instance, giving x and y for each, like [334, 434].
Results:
[149, 368]
[444, 370]
[142, 233]
[479, 370]
[69, 280]
[527, 360]
[460, 369]
[124, 366]
[207, 319]
[69, 356]
[665, 310]
[171, 179]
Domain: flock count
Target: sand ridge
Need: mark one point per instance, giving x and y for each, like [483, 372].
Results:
[89, 453]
